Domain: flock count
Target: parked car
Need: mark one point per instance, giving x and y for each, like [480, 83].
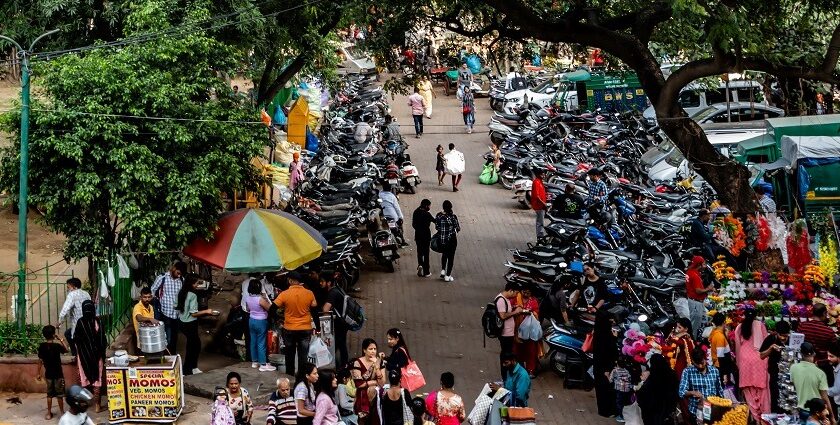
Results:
[738, 112]
[354, 61]
[671, 163]
[541, 95]
[695, 97]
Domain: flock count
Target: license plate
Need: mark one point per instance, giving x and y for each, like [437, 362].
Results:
[388, 252]
[393, 181]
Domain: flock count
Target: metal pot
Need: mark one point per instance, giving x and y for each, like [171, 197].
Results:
[151, 339]
[120, 358]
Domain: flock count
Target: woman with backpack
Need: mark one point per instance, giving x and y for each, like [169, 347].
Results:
[447, 227]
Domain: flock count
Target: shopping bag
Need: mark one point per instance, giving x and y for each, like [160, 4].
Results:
[526, 329]
[488, 175]
[412, 377]
[435, 244]
[454, 163]
[681, 307]
[319, 353]
[587, 343]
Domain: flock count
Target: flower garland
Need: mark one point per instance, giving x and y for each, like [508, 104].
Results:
[813, 274]
[729, 233]
[765, 235]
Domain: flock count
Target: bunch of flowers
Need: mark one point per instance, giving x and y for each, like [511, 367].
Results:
[721, 234]
[813, 274]
[803, 291]
[828, 259]
[736, 233]
[635, 345]
[734, 290]
[765, 234]
[778, 232]
[720, 268]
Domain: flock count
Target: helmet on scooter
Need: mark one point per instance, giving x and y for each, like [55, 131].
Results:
[78, 398]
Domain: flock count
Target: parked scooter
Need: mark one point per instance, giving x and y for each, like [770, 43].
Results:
[384, 246]
[410, 177]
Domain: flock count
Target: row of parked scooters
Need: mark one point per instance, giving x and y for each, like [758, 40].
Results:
[340, 194]
[634, 236]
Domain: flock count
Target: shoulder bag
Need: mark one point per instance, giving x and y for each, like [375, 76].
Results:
[412, 377]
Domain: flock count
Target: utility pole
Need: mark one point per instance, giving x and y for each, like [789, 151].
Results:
[23, 191]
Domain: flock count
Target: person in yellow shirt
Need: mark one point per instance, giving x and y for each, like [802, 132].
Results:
[299, 313]
[721, 355]
[143, 311]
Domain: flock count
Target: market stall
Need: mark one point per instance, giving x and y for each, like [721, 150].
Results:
[148, 390]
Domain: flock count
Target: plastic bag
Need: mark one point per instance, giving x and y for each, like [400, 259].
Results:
[454, 163]
[319, 353]
[530, 329]
[681, 307]
[488, 175]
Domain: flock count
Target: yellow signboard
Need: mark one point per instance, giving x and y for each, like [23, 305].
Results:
[640, 92]
[607, 97]
[148, 394]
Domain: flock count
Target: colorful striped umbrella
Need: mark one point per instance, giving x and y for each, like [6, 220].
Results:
[258, 240]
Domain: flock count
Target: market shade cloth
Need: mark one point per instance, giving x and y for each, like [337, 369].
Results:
[258, 240]
[802, 147]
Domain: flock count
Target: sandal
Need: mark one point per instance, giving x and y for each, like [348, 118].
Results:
[48, 416]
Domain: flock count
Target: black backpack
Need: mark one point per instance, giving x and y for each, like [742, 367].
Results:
[518, 82]
[352, 312]
[490, 320]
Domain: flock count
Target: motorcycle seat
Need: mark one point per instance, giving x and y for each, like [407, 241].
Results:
[664, 283]
[671, 197]
[620, 253]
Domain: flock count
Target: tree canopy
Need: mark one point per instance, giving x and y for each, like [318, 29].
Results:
[138, 140]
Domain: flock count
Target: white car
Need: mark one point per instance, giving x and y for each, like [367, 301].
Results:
[540, 95]
[674, 162]
[696, 97]
[738, 112]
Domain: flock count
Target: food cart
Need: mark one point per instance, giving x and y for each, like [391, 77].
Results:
[148, 390]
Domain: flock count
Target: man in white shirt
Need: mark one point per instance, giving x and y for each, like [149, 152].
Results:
[363, 131]
[455, 165]
[510, 78]
[72, 309]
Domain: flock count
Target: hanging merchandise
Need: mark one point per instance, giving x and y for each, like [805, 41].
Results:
[797, 241]
[125, 271]
[279, 117]
[312, 141]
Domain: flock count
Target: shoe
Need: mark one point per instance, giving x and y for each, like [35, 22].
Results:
[255, 365]
[454, 189]
[619, 419]
[469, 131]
[267, 368]
[448, 279]
[196, 371]
[426, 275]
[420, 271]
[416, 136]
[442, 273]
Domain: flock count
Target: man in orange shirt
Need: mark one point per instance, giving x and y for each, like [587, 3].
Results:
[538, 200]
[298, 304]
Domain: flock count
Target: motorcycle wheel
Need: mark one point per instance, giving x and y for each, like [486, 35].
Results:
[389, 266]
[506, 183]
[410, 189]
[556, 365]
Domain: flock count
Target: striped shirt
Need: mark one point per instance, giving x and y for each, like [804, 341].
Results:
[819, 334]
[168, 294]
[767, 204]
[72, 308]
[281, 410]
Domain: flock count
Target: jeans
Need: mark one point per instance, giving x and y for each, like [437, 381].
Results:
[696, 313]
[342, 356]
[469, 119]
[258, 328]
[190, 331]
[297, 342]
[540, 223]
[171, 326]
[68, 337]
[621, 399]
[447, 257]
[418, 124]
[423, 255]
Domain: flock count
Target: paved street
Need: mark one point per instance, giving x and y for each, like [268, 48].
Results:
[442, 321]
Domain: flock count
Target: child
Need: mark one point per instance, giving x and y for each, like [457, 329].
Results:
[620, 378]
[344, 399]
[50, 352]
[221, 413]
[440, 165]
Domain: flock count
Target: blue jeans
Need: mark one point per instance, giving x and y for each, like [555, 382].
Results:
[258, 329]
[418, 124]
[469, 119]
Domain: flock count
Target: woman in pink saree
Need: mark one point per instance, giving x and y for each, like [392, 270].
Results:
[753, 377]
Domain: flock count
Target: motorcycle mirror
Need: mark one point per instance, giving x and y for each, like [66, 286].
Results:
[562, 264]
[642, 318]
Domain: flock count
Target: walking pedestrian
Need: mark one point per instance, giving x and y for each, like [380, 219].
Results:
[752, 369]
[165, 290]
[335, 304]
[448, 227]
[299, 304]
[428, 93]
[418, 108]
[455, 165]
[468, 109]
[72, 309]
[539, 203]
[620, 378]
[421, 221]
[305, 393]
[444, 405]
[89, 338]
[440, 164]
[188, 314]
[50, 352]
[465, 77]
[326, 411]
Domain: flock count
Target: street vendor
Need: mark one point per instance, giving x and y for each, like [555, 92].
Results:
[143, 312]
[696, 291]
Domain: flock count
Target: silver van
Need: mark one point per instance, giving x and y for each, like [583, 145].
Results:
[695, 97]
[354, 61]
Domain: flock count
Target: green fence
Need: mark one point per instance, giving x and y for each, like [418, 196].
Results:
[46, 291]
